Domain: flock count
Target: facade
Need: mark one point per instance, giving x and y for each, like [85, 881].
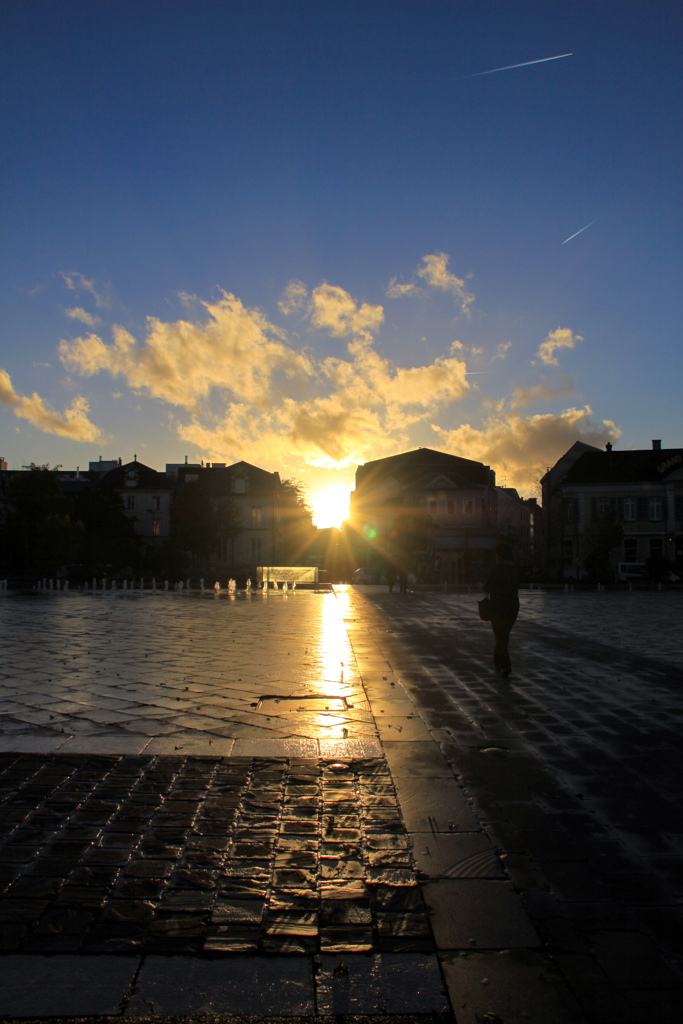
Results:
[147, 496]
[242, 494]
[440, 513]
[642, 490]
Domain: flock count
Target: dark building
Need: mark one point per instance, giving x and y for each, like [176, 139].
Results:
[441, 513]
[641, 489]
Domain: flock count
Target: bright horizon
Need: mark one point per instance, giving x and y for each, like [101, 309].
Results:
[313, 238]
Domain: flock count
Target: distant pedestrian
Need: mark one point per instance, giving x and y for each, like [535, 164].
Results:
[501, 585]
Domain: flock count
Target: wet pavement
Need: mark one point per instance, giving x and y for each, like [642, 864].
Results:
[309, 804]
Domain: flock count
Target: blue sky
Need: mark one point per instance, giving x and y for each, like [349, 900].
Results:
[298, 234]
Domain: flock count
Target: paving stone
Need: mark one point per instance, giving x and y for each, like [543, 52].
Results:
[256, 986]
[66, 986]
[514, 986]
[468, 855]
[381, 984]
[475, 912]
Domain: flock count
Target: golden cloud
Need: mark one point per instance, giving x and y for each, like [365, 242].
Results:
[334, 310]
[237, 350]
[76, 282]
[73, 423]
[434, 270]
[561, 337]
[77, 313]
[521, 398]
[293, 298]
[522, 448]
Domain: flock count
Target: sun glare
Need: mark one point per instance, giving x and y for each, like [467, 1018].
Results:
[330, 506]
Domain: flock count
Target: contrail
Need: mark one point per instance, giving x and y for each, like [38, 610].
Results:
[577, 233]
[526, 63]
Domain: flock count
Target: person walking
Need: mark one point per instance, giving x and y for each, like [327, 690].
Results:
[501, 585]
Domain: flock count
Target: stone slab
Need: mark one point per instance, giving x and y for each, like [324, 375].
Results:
[356, 748]
[403, 730]
[421, 759]
[434, 805]
[67, 985]
[389, 983]
[468, 855]
[477, 913]
[239, 986]
[275, 748]
[514, 986]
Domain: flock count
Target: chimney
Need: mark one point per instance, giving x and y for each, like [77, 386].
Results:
[186, 460]
[656, 446]
[608, 446]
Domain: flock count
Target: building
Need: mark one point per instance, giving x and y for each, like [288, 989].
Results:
[147, 496]
[641, 489]
[247, 502]
[438, 514]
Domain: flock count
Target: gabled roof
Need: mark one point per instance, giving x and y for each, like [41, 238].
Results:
[625, 467]
[146, 478]
[416, 468]
[558, 472]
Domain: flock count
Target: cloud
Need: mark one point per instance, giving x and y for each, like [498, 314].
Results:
[75, 282]
[502, 350]
[521, 448]
[397, 291]
[236, 350]
[334, 310]
[434, 270]
[284, 408]
[562, 337]
[86, 318]
[293, 298]
[73, 423]
[523, 397]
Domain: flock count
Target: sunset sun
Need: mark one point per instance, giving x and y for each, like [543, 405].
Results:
[330, 505]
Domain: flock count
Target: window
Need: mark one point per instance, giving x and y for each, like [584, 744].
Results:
[130, 502]
[156, 504]
[630, 509]
[156, 528]
[255, 515]
[655, 509]
[631, 549]
[469, 506]
[602, 506]
[240, 486]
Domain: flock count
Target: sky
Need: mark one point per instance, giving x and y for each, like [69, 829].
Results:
[311, 235]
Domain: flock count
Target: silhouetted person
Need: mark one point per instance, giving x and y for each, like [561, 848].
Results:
[501, 586]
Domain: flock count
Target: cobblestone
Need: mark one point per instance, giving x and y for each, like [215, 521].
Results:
[183, 877]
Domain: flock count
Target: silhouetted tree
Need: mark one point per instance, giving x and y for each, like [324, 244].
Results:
[199, 521]
[40, 533]
[296, 522]
[109, 542]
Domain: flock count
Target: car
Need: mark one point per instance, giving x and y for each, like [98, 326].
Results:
[363, 575]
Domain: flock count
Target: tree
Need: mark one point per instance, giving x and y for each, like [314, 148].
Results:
[296, 519]
[109, 541]
[40, 533]
[603, 536]
[200, 520]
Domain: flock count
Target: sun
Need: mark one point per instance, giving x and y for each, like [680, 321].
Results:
[330, 506]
